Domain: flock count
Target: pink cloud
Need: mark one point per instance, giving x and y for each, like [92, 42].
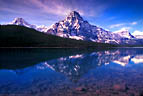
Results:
[53, 7]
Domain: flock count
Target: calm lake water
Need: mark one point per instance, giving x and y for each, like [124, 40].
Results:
[71, 72]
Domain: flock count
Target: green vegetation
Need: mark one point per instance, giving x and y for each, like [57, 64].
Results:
[20, 36]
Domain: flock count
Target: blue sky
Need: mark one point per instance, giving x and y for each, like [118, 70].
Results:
[109, 14]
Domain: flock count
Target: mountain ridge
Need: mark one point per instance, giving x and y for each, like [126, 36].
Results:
[21, 36]
[75, 27]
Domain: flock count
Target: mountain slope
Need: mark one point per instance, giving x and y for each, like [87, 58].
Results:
[124, 34]
[75, 27]
[20, 36]
[22, 22]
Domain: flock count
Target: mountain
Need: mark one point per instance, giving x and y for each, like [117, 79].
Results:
[124, 34]
[21, 22]
[20, 36]
[42, 28]
[75, 27]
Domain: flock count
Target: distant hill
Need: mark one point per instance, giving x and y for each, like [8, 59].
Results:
[20, 36]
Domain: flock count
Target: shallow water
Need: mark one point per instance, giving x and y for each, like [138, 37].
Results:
[71, 72]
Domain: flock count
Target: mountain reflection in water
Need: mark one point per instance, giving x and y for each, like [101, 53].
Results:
[115, 72]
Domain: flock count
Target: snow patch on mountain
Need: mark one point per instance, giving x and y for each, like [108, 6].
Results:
[21, 22]
[124, 34]
[42, 28]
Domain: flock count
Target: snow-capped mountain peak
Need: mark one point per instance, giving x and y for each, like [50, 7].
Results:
[73, 16]
[124, 34]
[21, 22]
[73, 19]
[75, 27]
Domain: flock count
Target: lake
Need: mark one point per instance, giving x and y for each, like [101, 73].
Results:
[71, 72]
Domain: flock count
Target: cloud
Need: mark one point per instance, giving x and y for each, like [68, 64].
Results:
[122, 24]
[64, 7]
[55, 7]
[123, 29]
[137, 32]
[134, 23]
[116, 25]
[51, 7]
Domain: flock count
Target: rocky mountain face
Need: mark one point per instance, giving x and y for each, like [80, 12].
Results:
[22, 22]
[124, 34]
[75, 27]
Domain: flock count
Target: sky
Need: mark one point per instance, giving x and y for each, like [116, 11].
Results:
[112, 15]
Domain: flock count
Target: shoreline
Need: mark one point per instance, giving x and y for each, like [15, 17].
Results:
[67, 47]
[59, 47]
